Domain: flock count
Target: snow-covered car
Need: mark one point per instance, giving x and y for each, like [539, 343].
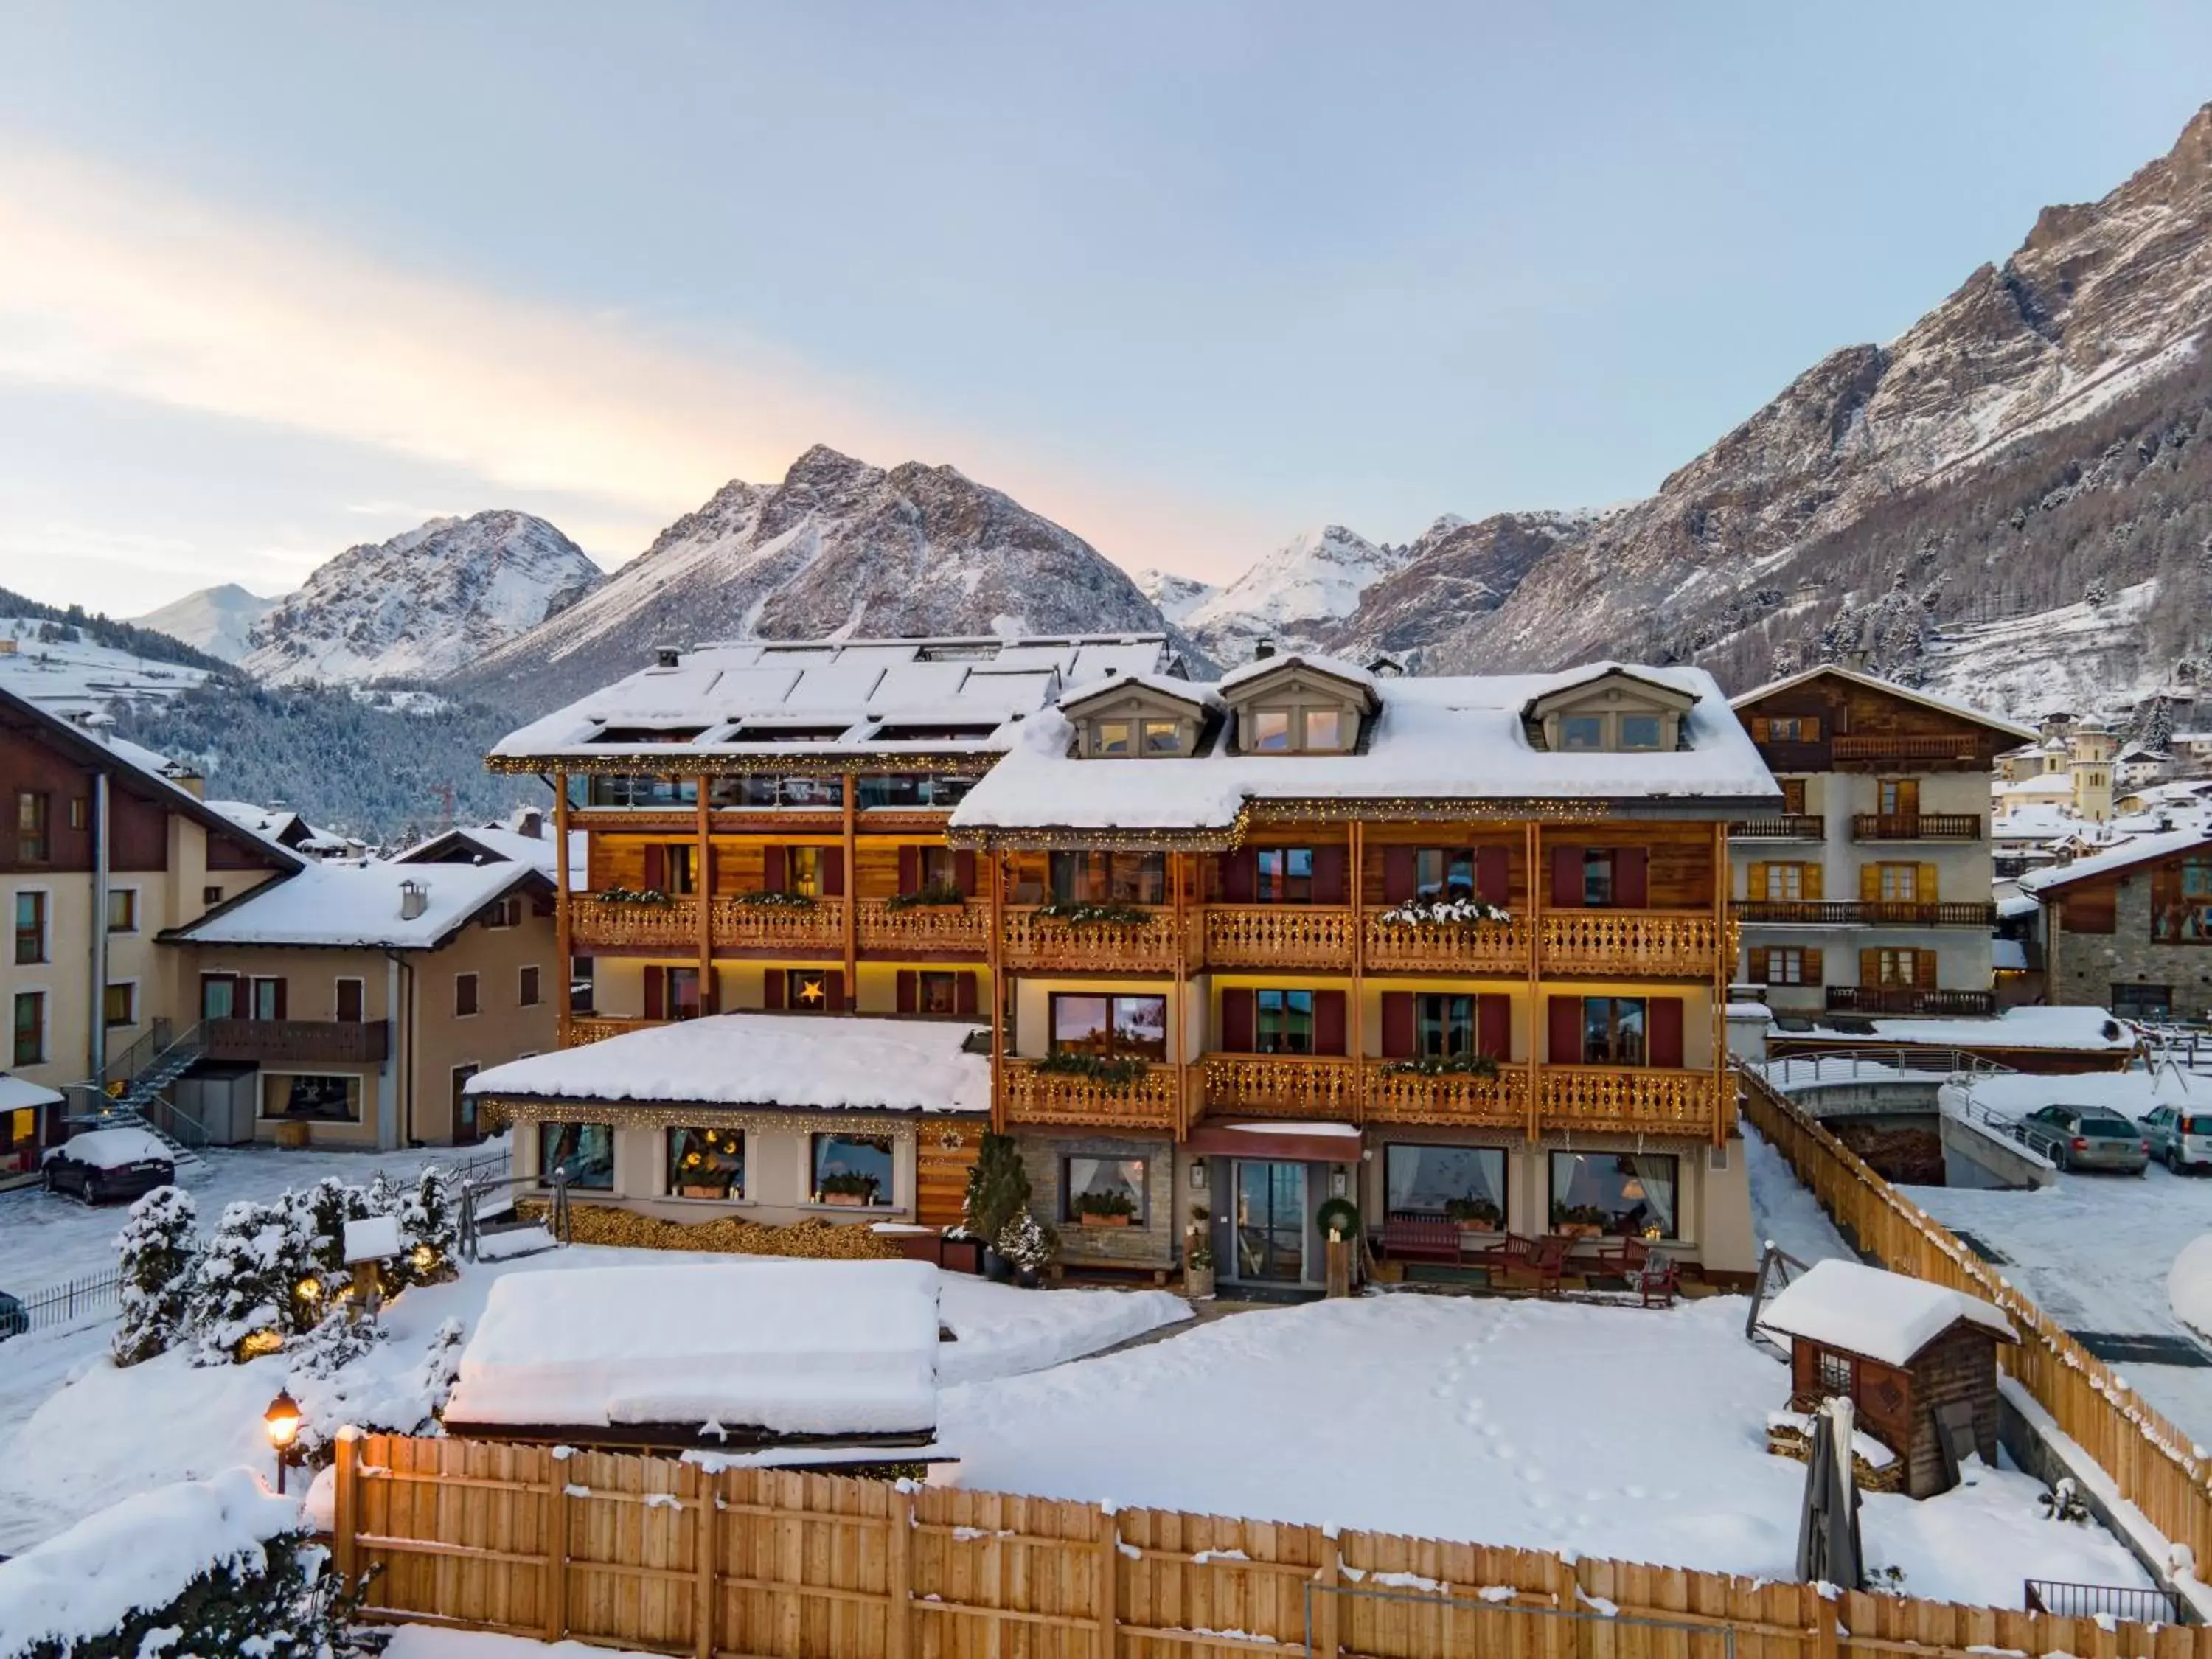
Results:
[102, 1166]
[2180, 1140]
[15, 1318]
[2086, 1138]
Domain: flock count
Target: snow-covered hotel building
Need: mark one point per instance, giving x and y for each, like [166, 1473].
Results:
[1446, 947]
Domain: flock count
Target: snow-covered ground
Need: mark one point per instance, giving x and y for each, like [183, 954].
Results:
[69, 678]
[1782, 1213]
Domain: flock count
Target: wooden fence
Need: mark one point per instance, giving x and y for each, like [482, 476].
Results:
[659, 1555]
[2154, 1465]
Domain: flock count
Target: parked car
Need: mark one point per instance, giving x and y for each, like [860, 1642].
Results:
[2180, 1140]
[15, 1318]
[102, 1166]
[2086, 1138]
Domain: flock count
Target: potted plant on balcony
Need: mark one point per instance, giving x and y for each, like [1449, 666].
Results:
[1093, 915]
[935, 892]
[1444, 913]
[1108, 1209]
[1481, 1213]
[619, 894]
[1030, 1246]
[998, 1190]
[1443, 1066]
[773, 898]
[847, 1188]
[1108, 1071]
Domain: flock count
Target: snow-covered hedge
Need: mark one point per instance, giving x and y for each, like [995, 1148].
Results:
[217, 1567]
[2189, 1284]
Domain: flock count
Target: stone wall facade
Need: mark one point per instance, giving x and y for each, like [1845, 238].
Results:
[1045, 1156]
[2082, 968]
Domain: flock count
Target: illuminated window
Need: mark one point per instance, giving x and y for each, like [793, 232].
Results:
[1324, 728]
[1111, 737]
[1163, 738]
[1270, 731]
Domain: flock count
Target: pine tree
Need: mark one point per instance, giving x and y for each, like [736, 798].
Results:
[245, 1292]
[998, 1187]
[160, 1247]
[428, 1221]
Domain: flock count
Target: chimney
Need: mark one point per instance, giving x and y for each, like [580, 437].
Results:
[531, 823]
[1263, 650]
[667, 656]
[414, 900]
[191, 782]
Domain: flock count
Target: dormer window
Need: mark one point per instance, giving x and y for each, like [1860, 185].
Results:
[1163, 738]
[1270, 731]
[1581, 732]
[1111, 738]
[1639, 731]
[1613, 712]
[1324, 728]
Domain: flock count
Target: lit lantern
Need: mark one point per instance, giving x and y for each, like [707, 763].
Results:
[309, 1290]
[282, 1420]
[424, 1258]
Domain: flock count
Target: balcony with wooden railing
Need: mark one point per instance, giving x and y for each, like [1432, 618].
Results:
[1283, 1085]
[1033, 1096]
[1908, 1000]
[1867, 913]
[816, 929]
[1459, 1099]
[1433, 947]
[1627, 1097]
[1902, 746]
[598, 1028]
[1632, 944]
[1153, 944]
[1781, 826]
[296, 1042]
[1916, 826]
[923, 929]
[1278, 936]
[606, 924]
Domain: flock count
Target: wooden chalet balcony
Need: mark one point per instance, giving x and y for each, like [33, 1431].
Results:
[1627, 1098]
[1662, 944]
[817, 929]
[1931, 746]
[1482, 947]
[924, 929]
[1916, 826]
[1908, 1000]
[598, 1028]
[1454, 1098]
[1283, 1085]
[277, 1041]
[1035, 1097]
[622, 925]
[1784, 826]
[1867, 913]
[1154, 944]
[1278, 936]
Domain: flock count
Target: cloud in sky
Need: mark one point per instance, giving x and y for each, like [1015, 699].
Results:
[116, 286]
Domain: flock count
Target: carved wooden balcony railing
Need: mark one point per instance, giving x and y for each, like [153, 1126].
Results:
[1152, 945]
[606, 924]
[1278, 936]
[1924, 747]
[281, 1041]
[1283, 1085]
[1867, 913]
[1487, 947]
[1783, 826]
[924, 929]
[1627, 1098]
[1916, 826]
[1031, 1096]
[1452, 1097]
[1632, 943]
[598, 1028]
[1908, 1000]
[816, 930]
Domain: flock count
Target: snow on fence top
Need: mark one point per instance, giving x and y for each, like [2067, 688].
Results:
[1882, 1316]
[138, 1555]
[362, 904]
[762, 1060]
[779, 1347]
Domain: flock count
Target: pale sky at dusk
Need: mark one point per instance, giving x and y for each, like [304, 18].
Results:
[1187, 278]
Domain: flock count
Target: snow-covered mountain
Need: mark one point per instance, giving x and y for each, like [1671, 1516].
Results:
[1296, 596]
[837, 547]
[217, 620]
[422, 605]
[1176, 596]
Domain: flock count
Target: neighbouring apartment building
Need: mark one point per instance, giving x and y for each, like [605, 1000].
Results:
[1870, 892]
[2131, 930]
[1442, 947]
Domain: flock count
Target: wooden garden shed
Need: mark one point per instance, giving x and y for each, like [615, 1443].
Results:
[1918, 1361]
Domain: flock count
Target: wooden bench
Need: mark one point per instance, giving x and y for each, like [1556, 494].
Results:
[1408, 1238]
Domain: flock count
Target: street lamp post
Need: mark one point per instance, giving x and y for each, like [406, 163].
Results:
[281, 1419]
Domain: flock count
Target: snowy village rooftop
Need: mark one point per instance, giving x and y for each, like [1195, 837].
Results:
[2142, 850]
[1890, 688]
[1441, 740]
[762, 705]
[388, 906]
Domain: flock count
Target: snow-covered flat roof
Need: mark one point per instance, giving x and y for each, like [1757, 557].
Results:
[768, 1347]
[18, 1092]
[1883, 1316]
[2142, 850]
[852, 690]
[349, 905]
[1441, 738]
[2053, 1027]
[762, 1060]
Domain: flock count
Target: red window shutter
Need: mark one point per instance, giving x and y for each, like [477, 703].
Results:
[834, 983]
[1493, 1026]
[1398, 874]
[1662, 1018]
[1329, 875]
[656, 866]
[1566, 1044]
[1240, 873]
[1397, 1026]
[1493, 874]
[656, 993]
[280, 1013]
[909, 991]
[1328, 1022]
[963, 873]
[910, 869]
[1567, 878]
[772, 871]
[1237, 1008]
[963, 994]
[1755, 965]
[833, 873]
[772, 989]
[1632, 877]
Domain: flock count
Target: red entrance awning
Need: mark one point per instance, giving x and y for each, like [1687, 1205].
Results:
[1287, 1143]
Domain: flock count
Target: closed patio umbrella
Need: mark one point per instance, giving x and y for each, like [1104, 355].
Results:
[1828, 1526]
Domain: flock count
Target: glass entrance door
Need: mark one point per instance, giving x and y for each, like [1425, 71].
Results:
[1271, 1220]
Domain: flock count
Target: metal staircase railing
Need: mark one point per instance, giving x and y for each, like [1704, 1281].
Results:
[129, 1092]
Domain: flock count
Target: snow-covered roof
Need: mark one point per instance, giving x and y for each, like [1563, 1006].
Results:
[496, 841]
[2018, 905]
[718, 1348]
[2141, 850]
[19, 1092]
[1193, 692]
[1336, 667]
[1882, 1316]
[359, 904]
[2008, 956]
[1433, 739]
[847, 693]
[2054, 1027]
[2042, 784]
[112, 1149]
[796, 1060]
[1995, 722]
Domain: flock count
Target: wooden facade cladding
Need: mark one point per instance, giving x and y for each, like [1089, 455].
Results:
[1833, 723]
